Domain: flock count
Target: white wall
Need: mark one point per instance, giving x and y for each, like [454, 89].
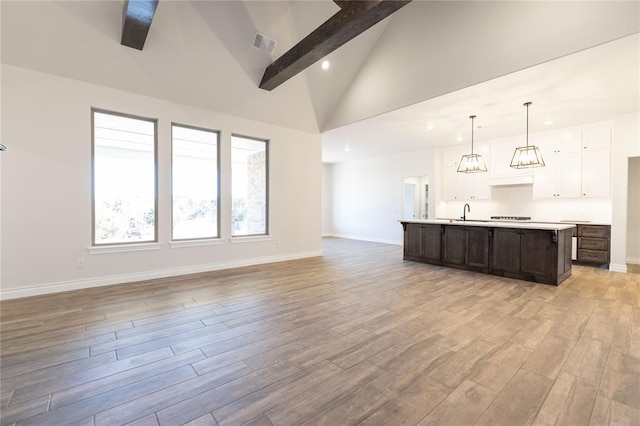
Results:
[368, 194]
[46, 188]
[633, 212]
[626, 144]
[327, 199]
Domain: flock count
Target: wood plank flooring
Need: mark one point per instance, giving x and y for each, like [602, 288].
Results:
[354, 337]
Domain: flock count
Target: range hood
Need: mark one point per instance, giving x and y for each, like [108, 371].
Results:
[511, 180]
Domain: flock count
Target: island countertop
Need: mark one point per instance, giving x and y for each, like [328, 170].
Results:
[495, 224]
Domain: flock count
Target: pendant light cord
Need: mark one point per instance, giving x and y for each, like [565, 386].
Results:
[527, 105]
[472, 117]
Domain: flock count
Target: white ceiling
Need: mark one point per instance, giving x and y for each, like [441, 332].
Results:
[432, 61]
[588, 86]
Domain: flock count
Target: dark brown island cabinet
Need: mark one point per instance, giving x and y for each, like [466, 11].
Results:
[534, 252]
[594, 244]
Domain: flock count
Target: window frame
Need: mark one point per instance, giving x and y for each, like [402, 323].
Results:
[95, 244]
[267, 143]
[218, 175]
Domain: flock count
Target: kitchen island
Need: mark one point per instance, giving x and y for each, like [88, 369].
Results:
[538, 252]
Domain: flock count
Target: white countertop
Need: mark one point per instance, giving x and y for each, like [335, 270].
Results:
[496, 224]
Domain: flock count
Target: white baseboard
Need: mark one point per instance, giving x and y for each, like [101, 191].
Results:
[633, 260]
[372, 240]
[618, 268]
[56, 287]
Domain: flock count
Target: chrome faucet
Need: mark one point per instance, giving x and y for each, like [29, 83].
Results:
[465, 209]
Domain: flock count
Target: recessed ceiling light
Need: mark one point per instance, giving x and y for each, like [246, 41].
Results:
[430, 126]
[459, 138]
[547, 122]
[325, 65]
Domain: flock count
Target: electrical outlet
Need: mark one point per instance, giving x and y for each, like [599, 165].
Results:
[79, 262]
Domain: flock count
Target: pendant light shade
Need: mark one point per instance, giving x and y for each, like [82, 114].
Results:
[472, 163]
[527, 156]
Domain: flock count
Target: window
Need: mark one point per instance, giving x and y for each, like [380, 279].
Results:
[194, 181]
[249, 186]
[124, 179]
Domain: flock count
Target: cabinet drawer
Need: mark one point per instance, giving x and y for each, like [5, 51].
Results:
[585, 255]
[598, 231]
[593, 243]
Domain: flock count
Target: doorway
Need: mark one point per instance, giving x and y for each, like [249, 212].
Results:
[415, 198]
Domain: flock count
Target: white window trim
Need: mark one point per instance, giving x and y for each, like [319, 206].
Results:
[249, 239]
[100, 249]
[123, 248]
[197, 243]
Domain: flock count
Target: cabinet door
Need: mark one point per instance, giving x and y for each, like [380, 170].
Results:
[506, 250]
[544, 178]
[412, 241]
[481, 188]
[537, 253]
[594, 231]
[596, 174]
[546, 142]
[593, 243]
[474, 186]
[569, 175]
[593, 256]
[432, 243]
[477, 255]
[597, 137]
[454, 245]
[569, 141]
[451, 156]
[451, 183]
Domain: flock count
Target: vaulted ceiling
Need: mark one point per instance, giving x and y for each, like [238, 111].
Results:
[200, 53]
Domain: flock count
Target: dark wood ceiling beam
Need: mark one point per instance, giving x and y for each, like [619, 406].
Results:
[137, 17]
[352, 20]
[343, 3]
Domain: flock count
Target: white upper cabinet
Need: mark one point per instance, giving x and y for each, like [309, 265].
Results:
[596, 161]
[474, 186]
[596, 174]
[578, 163]
[560, 177]
[464, 186]
[597, 137]
[569, 142]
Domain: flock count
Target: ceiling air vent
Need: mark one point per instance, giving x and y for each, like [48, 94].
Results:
[264, 43]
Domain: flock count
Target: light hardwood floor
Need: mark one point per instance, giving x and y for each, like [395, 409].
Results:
[355, 337]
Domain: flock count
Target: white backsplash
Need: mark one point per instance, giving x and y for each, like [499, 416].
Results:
[517, 200]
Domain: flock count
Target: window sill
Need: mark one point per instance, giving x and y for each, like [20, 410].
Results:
[250, 239]
[196, 243]
[124, 248]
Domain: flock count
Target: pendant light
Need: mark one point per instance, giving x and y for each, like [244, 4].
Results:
[472, 163]
[527, 156]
